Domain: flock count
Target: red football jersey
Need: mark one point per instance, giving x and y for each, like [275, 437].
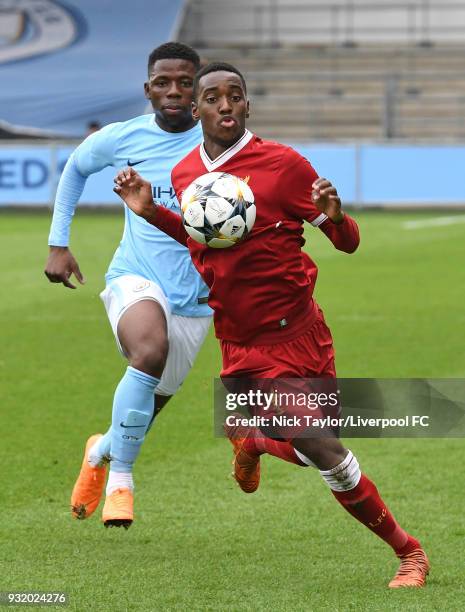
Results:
[261, 289]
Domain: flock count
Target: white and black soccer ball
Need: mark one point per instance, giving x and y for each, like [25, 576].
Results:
[218, 209]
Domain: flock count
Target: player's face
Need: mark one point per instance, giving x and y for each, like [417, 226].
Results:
[169, 88]
[222, 107]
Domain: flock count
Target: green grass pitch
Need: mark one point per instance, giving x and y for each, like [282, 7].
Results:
[198, 543]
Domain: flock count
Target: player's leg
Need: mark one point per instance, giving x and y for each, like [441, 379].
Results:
[360, 497]
[187, 335]
[354, 490]
[249, 443]
[185, 338]
[123, 298]
[101, 450]
[339, 468]
[308, 356]
[250, 364]
[143, 335]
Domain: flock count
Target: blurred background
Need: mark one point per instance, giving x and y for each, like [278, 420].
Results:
[372, 92]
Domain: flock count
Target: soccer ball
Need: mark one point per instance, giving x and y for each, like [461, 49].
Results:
[218, 209]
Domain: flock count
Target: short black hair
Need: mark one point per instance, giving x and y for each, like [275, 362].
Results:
[174, 50]
[216, 67]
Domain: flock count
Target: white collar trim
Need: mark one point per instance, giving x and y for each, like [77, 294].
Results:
[226, 155]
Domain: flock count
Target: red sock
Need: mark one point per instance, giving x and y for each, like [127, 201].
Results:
[277, 448]
[365, 504]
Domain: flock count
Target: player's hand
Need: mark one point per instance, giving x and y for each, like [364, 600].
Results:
[60, 265]
[135, 192]
[325, 198]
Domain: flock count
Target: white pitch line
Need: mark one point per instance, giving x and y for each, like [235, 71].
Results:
[436, 222]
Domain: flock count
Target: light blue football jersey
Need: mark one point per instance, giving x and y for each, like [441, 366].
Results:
[144, 249]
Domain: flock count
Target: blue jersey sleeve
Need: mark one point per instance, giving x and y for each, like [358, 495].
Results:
[68, 193]
[95, 153]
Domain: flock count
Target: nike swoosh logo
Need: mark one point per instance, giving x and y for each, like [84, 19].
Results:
[126, 426]
[130, 163]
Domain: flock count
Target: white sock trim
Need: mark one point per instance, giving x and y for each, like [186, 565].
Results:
[344, 476]
[304, 459]
[119, 480]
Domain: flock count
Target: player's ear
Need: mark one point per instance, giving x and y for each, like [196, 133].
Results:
[247, 112]
[146, 90]
[195, 111]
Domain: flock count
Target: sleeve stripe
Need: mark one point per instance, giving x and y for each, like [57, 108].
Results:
[319, 220]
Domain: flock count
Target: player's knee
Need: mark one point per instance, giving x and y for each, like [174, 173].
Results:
[150, 357]
[323, 452]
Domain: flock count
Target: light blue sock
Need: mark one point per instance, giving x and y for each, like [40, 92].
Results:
[133, 408]
[102, 449]
[104, 444]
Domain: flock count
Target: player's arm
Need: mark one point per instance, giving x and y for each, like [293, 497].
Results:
[137, 195]
[91, 156]
[61, 263]
[341, 229]
[316, 200]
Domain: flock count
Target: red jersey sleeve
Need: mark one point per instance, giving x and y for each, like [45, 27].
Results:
[296, 180]
[169, 222]
[344, 236]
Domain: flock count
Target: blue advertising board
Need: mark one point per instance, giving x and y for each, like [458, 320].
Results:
[364, 174]
[29, 175]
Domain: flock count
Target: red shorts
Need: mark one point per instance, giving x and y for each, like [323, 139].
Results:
[310, 355]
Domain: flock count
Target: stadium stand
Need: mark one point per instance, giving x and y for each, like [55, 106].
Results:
[349, 70]
[384, 78]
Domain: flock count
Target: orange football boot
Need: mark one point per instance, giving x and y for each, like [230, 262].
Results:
[118, 509]
[246, 466]
[88, 489]
[414, 567]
